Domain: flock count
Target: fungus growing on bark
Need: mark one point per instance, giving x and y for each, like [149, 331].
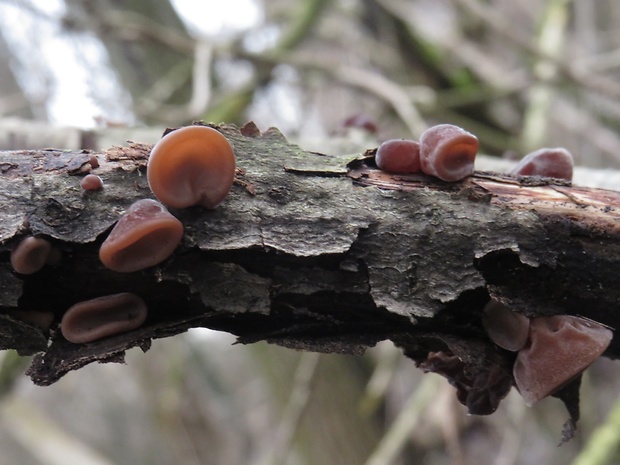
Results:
[144, 236]
[505, 328]
[42, 320]
[194, 165]
[560, 347]
[398, 156]
[550, 162]
[30, 255]
[91, 182]
[448, 152]
[104, 316]
[93, 162]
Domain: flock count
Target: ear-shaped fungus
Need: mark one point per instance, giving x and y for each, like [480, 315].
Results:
[505, 328]
[553, 163]
[30, 255]
[560, 348]
[448, 152]
[398, 156]
[144, 236]
[104, 316]
[194, 165]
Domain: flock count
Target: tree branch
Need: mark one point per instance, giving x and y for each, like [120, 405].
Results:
[313, 252]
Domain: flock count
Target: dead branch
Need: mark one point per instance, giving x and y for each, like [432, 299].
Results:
[313, 252]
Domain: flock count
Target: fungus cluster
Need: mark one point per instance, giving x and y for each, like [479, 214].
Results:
[445, 151]
[448, 152]
[551, 350]
[190, 166]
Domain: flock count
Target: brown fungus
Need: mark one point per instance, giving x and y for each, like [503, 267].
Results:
[560, 347]
[194, 165]
[448, 152]
[102, 317]
[479, 389]
[506, 328]
[30, 255]
[93, 161]
[42, 320]
[144, 236]
[91, 182]
[398, 156]
[550, 162]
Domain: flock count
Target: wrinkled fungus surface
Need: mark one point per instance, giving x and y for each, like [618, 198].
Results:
[144, 236]
[194, 165]
[560, 347]
[104, 316]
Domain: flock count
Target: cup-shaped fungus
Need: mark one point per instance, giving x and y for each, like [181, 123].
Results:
[144, 236]
[104, 316]
[398, 156]
[30, 255]
[560, 347]
[448, 152]
[553, 163]
[91, 182]
[194, 165]
[505, 328]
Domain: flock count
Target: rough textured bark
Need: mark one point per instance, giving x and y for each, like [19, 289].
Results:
[315, 252]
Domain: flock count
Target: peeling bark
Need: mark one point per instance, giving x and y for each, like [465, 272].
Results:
[313, 252]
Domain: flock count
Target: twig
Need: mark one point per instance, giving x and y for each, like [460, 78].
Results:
[281, 444]
[550, 42]
[394, 440]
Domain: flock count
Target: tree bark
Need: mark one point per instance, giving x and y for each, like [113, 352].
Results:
[313, 252]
